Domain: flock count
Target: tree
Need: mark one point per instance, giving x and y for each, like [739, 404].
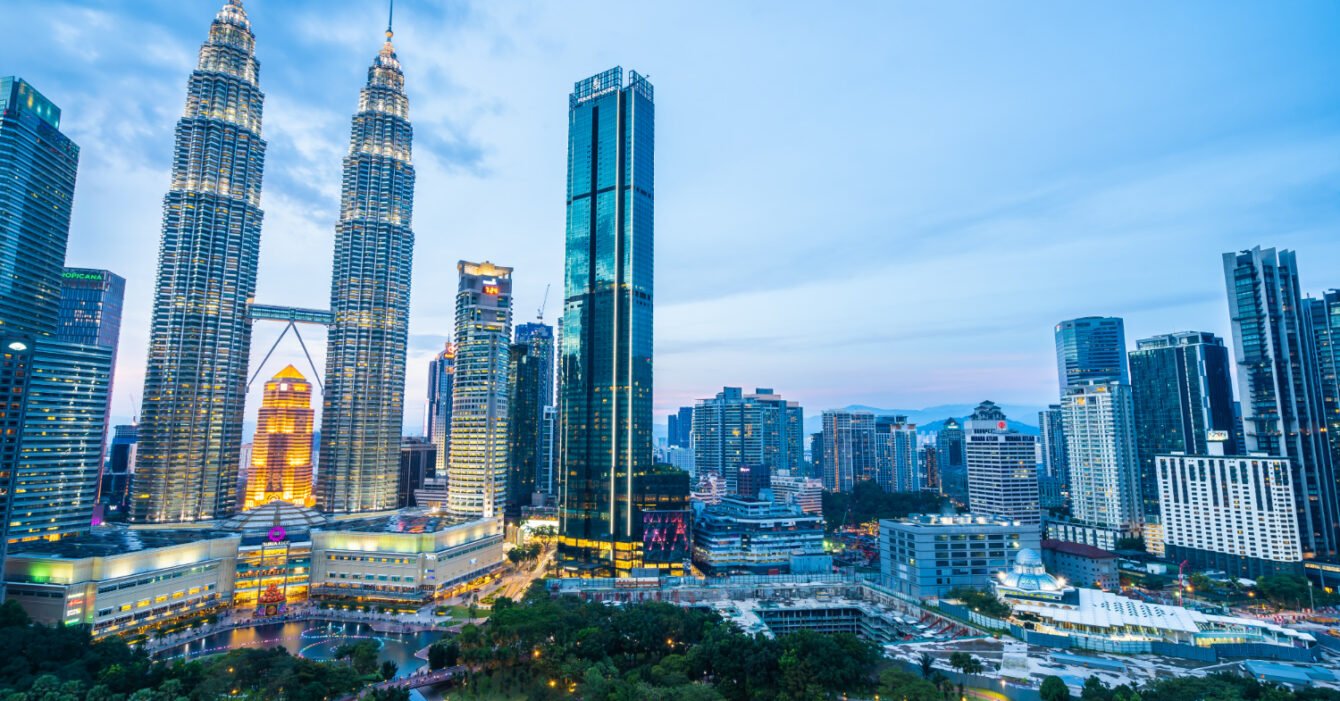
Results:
[1095, 690]
[388, 669]
[927, 664]
[965, 663]
[362, 656]
[897, 684]
[1054, 689]
[443, 654]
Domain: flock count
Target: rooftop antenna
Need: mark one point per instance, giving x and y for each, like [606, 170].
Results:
[543, 303]
[390, 15]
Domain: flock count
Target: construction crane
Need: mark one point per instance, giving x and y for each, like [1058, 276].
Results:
[539, 314]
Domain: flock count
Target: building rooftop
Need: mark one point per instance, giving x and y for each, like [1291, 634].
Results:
[114, 539]
[1078, 549]
[398, 522]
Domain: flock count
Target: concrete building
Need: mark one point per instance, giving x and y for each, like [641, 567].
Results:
[896, 465]
[748, 536]
[735, 430]
[1104, 469]
[1231, 513]
[1082, 565]
[804, 492]
[848, 449]
[1002, 468]
[926, 556]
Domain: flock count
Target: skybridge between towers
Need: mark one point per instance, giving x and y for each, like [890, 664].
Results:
[291, 317]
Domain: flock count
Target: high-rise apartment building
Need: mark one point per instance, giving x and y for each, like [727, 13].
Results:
[1091, 349]
[281, 454]
[1278, 380]
[605, 358]
[477, 469]
[200, 336]
[437, 426]
[363, 401]
[896, 465]
[735, 430]
[1055, 476]
[1002, 468]
[1323, 316]
[848, 449]
[1182, 391]
[1099, 422]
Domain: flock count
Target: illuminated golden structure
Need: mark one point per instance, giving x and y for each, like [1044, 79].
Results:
[281, 459]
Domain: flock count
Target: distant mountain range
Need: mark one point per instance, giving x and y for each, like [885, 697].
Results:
[1021, 418]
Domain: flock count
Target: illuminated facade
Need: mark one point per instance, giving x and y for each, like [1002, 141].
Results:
[200, 336]
[363, 407]
[605, 357]
[477, 467]
[281, 456]
[1099, 422]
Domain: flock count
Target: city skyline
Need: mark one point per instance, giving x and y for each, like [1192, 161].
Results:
[1226, 174]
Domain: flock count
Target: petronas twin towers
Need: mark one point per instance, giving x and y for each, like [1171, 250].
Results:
[195, 383]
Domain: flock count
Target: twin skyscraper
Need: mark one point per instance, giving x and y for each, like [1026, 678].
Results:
[195, 386]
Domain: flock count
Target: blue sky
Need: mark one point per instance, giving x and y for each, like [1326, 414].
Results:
[878, 203]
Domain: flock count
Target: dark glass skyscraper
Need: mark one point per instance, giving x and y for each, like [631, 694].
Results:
[1183, 391]
[369, 297]
[200, 336]
[605, 400]
[437, 427]
[39, 164]
[1091, 349]
[1054, 480]
[681, 428]
[1279, 383]
[532, 381]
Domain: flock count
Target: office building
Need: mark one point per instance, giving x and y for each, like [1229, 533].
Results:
[36, 194]
[418, 463]
[531, 370]
[680, 430]
[1082, 565]
[1278, 381]
[16, 351]
[55, 485]
[605, 357]
[114, 483]
[1323, 316]
[1054, 479]
[1104, 469]
[477, 468]
[363, 398]
[951, 458]
[437, 426]
[200, 335]
[281, 454]
[848, 449]
[896, 464]
[752, 480]
[1091, 349]
[90, 314]
[735, 430]
[1002, 468]
[1182, 391]
[927, 556]
[816, 455]
[546, 483]
[748, 536]
[1236, 514]
[661, 521]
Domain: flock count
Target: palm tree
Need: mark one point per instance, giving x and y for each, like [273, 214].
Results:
[927, 665]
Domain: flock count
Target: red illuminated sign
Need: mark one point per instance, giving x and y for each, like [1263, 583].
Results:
[490, 289]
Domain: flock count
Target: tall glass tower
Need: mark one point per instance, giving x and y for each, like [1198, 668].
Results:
[605, 359]
[1324, 317]
[369, 297]
[477, 468]
[437, 426]
[200, 336]
[532, 394]
[1091, 349]
[1279, 383]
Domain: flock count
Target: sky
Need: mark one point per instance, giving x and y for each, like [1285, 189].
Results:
[878, 203]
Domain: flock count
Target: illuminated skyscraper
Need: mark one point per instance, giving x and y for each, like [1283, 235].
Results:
[437, 427]
[605, 359]
[281, 456]
[364, 398]
[477, 468]
[200, 337]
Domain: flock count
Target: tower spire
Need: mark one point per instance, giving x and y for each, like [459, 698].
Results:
[390, 15]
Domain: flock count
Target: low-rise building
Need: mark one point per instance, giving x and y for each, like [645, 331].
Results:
[804, 492]
[927, 555]
[744, 535]
[1083, 565]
